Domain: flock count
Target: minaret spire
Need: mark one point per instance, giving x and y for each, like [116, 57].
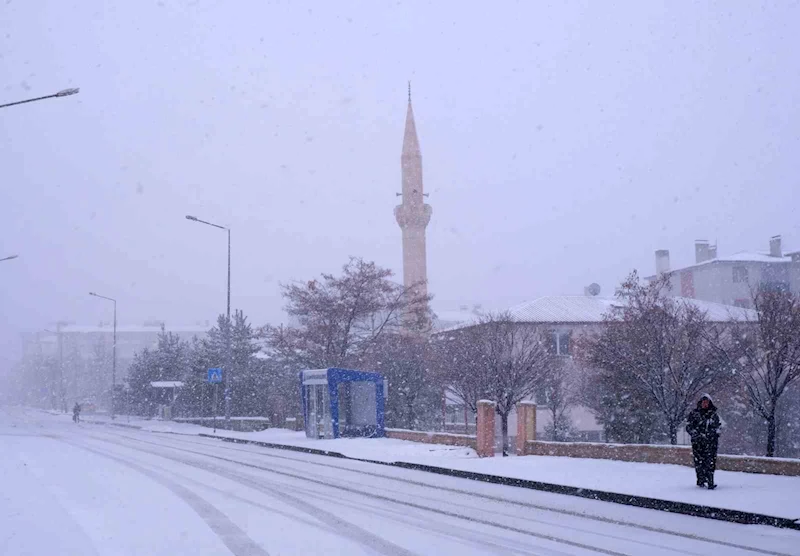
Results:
[411, 141]
[413, 214]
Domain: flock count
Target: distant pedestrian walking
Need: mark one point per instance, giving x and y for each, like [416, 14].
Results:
[703, 426]
[76, 412]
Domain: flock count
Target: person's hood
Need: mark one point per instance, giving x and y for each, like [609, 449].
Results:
[711, 406]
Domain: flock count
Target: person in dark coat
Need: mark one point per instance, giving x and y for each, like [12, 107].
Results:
[703, 426]
[76, 412]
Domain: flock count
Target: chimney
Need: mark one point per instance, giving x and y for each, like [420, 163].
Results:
[775, 246]
[701, 249]
[712, 252]
[662, 261]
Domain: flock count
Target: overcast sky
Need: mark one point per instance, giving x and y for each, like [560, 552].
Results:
[563, 142]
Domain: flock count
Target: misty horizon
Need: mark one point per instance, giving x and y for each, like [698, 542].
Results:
[561, 152]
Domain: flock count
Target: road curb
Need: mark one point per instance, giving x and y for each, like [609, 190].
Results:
[279, 446]
[124, 425]
[670, 506]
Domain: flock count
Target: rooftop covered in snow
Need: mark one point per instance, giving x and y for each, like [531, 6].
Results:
[132, 328]
[741, 257]
[167, 384]
[706, 254]
[582, 309]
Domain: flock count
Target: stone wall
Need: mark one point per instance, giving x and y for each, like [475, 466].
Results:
[678, 455]
[448, 439]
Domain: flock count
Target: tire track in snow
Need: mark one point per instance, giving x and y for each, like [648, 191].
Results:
[237, 541]
[341, 527]
[496, 545]
[456, 515]
[267, 454]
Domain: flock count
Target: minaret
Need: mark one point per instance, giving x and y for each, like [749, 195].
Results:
[413, 214]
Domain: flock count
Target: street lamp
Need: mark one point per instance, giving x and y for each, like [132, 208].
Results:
[9, 258]
[64, 93]
[114, 347]
[229, 380]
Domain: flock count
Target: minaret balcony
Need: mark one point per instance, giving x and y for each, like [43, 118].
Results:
[413, 215]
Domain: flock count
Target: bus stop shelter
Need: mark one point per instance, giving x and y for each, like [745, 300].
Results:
[343, 403]
[165, 407]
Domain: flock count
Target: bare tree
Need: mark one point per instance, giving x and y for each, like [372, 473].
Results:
[341, 318]
[767, 355]
[513, 359]
[414, 395]
[661, 343]
[458, 367]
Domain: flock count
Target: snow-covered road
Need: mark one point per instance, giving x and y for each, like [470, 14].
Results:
[89, 489]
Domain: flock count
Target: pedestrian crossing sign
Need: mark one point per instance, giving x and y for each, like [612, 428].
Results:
[214, 376]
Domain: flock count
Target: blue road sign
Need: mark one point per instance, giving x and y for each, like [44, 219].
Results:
[214, 376]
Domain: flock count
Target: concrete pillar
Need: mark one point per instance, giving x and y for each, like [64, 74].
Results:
[485, 435]
[526, 425]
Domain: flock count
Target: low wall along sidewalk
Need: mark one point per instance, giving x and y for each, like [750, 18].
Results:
[649, 453]
[446, 438]
[527, 445]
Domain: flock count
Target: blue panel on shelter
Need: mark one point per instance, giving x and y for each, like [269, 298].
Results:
[343, 403]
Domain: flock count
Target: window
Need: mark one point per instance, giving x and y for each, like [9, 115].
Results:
[560, 343]
[564, 341]
[739, 274]
[541, 397]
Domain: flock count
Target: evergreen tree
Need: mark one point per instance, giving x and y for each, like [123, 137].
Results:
[196, 399]
[622, 407]
[560, 394]
[167, 362]
[249, 383]
[141, 373]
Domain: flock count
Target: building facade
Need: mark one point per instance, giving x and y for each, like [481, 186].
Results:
[731, 279]
[81, 356]
[565, 319]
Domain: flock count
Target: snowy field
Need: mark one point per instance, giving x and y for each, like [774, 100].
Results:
[93, 489]
[766, 494]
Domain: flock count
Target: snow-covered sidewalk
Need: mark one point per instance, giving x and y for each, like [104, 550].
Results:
[766, 494]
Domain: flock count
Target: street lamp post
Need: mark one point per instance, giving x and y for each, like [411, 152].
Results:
[8, 258]
[64, 93]
[114, 349]
[229, 379]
